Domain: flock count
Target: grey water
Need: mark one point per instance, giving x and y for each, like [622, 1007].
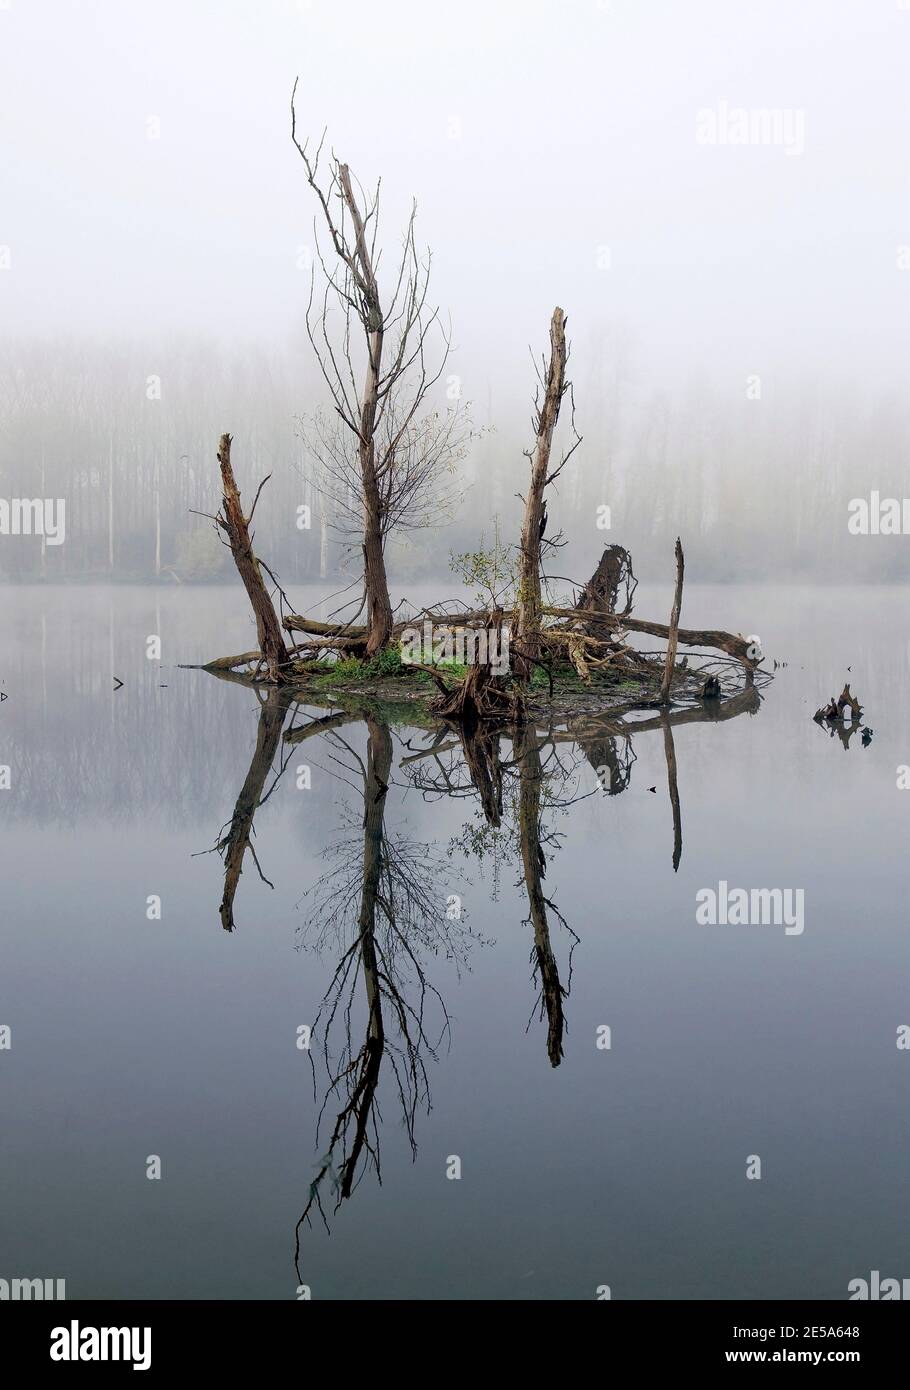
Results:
[483, 1170]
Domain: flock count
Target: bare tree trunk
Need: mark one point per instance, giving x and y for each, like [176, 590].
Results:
[670, 662]
[535, 518]
[403, 449]
[236, 525]
[379, 607]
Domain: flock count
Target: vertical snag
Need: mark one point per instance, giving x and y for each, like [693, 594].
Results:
[535, 518]
[670, 662]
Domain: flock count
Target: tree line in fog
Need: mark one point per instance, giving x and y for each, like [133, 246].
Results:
[756, 475]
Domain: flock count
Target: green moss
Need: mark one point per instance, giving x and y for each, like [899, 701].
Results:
[388, 665]
[404, 679]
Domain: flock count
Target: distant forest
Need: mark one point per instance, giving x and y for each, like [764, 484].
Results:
[758, 487]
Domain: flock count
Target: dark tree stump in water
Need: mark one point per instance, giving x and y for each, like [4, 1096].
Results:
[834, 709]
[613, 574]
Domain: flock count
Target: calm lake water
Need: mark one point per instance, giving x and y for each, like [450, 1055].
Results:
[137, 1036]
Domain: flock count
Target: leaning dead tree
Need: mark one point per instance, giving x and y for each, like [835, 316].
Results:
[384, 458]
[273, 654]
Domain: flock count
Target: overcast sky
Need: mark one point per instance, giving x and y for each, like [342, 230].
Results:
[534, 135]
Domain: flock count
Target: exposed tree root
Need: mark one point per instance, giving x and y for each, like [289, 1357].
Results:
[479, 697]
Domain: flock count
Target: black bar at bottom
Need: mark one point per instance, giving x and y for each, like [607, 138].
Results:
[104, 1338]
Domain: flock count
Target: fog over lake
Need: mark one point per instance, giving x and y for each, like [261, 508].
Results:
[306, 983]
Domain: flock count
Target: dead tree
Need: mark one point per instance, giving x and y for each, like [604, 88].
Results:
[740, 648]
[273, 653]
[546, 415]
[386, 461]
[610, 591]
[673, 638]
[481, 695]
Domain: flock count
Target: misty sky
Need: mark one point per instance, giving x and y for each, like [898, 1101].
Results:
[533, 134]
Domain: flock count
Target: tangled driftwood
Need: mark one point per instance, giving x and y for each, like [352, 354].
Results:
[590, 637]
[834, 709]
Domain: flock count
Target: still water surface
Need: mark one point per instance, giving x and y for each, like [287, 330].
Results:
[134, 1037]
